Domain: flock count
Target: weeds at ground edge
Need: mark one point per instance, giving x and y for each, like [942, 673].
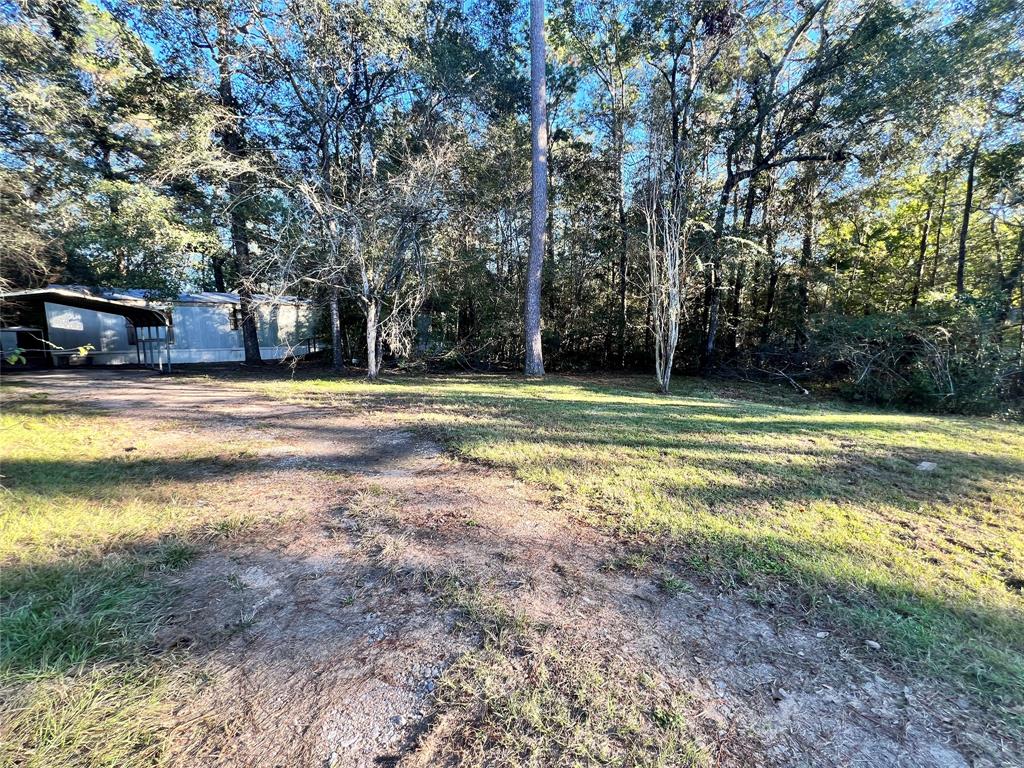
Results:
[541, 695]
[530, 693]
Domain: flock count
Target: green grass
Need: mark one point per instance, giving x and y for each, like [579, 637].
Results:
[812, 506]
[551, 701]
[110, 715]
[532, 695]
[93, 516]
[81, 482]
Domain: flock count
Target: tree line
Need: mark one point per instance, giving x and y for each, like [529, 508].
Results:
[798, 189]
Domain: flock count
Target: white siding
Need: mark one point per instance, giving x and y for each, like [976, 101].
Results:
[71, 327]
[8, 341]
[202, 332]
[281, 326]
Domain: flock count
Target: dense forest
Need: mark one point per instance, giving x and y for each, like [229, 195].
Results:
[802, 190]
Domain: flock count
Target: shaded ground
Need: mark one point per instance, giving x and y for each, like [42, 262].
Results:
[397, 619]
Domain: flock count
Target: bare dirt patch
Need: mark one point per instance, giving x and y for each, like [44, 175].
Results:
[332, 639]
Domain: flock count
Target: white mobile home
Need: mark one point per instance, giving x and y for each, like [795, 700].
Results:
[127, 327]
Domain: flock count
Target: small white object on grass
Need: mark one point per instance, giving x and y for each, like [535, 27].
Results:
[927, 466]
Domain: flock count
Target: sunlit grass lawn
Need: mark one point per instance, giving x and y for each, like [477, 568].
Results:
[813, 506]
[93, 515]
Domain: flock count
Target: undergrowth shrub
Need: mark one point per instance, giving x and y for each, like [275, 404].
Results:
[949, 357]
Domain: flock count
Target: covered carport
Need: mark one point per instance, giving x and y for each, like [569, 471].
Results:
[146, 329]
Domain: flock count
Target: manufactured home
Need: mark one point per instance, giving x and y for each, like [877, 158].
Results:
[128, 327]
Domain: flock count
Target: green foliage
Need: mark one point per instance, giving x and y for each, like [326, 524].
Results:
[138, 139]
[17, 355]
[89, 120]
[948, 357]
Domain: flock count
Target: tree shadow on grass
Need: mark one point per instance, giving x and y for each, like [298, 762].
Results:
[723, 468]
[297, 632]
[734, 458]
[354, 449]
[130, 609]
[950, 638]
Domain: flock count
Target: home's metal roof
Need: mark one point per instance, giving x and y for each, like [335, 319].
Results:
[139, 312]
[146, 296]
[138, 305]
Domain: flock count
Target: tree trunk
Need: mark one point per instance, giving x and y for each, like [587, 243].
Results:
[714, 304]
[372, 342]
[806, 256]
[665, 250]
[609, 330]
[234, 146]
[961, 256]
[734, 308]
[919, 270]
[713, 293]
[1020, 345]
[217, 263]
[648, 336]
[938, 231]
[247, 308]
[547, 288]
[803, 293]
[1008, 282]
[623, 281]
[668, 337]
[620, 202]
[534, 364]
[769, 304]
[337, 351]
[740, 274]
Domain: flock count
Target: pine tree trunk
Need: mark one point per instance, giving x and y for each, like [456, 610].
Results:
[1008, 282]
[623, 282]
[938, 232]
[769, 305]
[247, 307]
[372, 342]
[714, 305]
[620, 203]
[234, 146]
[714, 279]
[734, 309]
[961, 257]
[919, 271]
[1020, 345]
[337, 352]
[803, 292]
[217, 263]
[534, 365]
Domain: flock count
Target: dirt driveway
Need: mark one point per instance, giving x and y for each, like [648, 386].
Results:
[328, 643]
